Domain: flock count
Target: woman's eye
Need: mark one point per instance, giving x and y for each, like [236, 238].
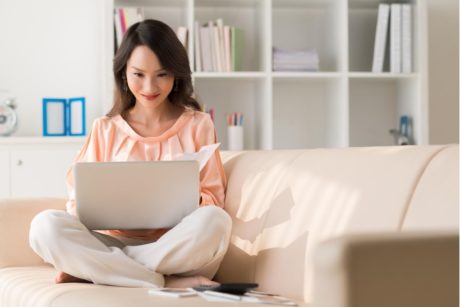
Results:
[137, 74]
[162, 75]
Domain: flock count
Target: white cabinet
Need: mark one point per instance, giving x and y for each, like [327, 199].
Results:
[342, 104]
[40, 172]
[36, 167]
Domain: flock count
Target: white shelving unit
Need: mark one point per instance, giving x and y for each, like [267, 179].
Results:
[343, 104]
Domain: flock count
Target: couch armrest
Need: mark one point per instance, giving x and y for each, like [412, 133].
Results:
[15, 218]
[399, 269]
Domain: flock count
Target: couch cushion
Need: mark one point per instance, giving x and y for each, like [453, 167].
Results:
[33, 286]
[284, 202]
[434, 204]
[17, 214]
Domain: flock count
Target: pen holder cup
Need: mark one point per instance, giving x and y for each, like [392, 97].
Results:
[235, 137]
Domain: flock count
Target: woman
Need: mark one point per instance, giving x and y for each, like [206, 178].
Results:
[154, 117]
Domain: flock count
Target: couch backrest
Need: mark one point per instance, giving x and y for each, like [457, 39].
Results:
[284, 202]
[434, 204]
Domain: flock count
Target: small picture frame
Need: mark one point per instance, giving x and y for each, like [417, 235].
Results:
[76, 118]
[54, 116]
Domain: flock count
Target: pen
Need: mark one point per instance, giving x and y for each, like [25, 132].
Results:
[235, 119]
[223, 295]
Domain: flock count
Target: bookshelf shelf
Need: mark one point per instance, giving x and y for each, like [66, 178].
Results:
[306, 75]
[384, 75]
[229, 3]
[244, 74]
[342, 104]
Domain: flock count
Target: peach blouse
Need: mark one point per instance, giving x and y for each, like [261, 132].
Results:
[112, 139]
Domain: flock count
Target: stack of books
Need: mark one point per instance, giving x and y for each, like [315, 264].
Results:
[124, 17]
[295, 60]
[395, 19]
[218, 47]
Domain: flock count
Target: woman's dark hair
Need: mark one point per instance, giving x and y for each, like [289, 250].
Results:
[162, 40]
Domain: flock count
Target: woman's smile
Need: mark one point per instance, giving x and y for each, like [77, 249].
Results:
[150, 97]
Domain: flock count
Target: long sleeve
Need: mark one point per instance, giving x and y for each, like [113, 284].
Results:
[212, 176]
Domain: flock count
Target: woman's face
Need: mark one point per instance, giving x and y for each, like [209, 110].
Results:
[147, 79]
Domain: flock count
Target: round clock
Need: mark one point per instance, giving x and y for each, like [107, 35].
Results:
[8, 117]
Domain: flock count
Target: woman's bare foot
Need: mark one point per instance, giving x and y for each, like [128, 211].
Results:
[188, 282]
[62, 277]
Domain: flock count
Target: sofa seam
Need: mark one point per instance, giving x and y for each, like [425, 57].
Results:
[414, 187]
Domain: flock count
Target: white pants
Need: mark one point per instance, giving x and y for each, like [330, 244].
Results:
[196, 246]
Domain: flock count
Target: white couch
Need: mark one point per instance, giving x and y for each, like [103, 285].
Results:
[337, 227]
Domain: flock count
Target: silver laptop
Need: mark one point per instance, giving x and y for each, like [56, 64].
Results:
[136, 195]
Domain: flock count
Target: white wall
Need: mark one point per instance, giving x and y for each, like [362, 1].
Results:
[443, 70]
[51, 48]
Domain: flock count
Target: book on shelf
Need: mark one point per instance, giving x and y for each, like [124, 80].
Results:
[218, 47]
[198, 52]
[212, 45]
[121, 15]
[228, 62]
[395, 38]
[237, 45]
[381, 33]
[221, 44]
[117, 28]
[406, 38]
[182, 35]
[206, 50]
[394, 19]
[295, 60]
